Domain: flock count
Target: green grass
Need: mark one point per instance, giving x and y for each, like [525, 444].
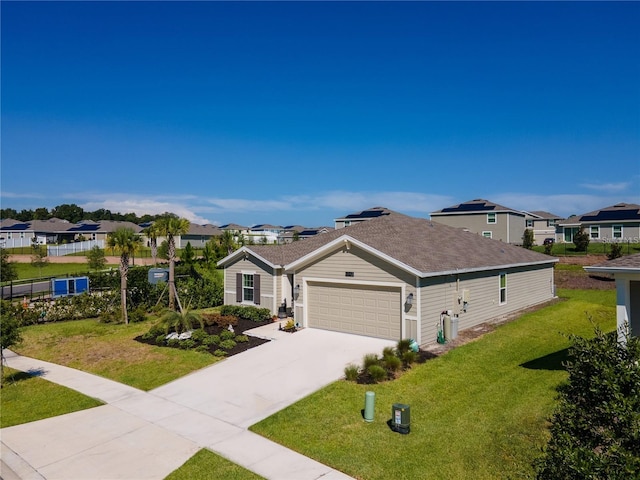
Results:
[109, 350]
[26, 399]
[594, 248]
[206, 465]
[478, 411]
[28, 271]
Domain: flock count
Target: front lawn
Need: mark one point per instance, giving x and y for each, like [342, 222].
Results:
[206, 465]
[26, 399]
[478, 411]
[110, 350]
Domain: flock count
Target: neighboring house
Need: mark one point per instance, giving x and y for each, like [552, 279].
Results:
[298, 232]
[99, 231]
[198, 235]
[390, 277]
[363, 216]
[14, 233]
[238, 231]
[543, 224]
[626, 271]
[617, 223]
[485, 218]
[265, 233]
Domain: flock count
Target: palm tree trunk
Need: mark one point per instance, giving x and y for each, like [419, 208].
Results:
[124, 270]
[154, 251]
[172, 266]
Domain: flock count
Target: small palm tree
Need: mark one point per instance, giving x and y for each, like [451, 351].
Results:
[180, 321]
[125, 241]
[151, 232]
[171, 226]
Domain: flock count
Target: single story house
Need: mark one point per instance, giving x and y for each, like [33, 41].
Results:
[626, 271]
[617, 223]
[14, 233]
[390, 277]
[485, 218]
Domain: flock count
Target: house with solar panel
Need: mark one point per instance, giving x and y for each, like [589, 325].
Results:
[14, 233]
[617, 223]
[363, 216]
[485, 218]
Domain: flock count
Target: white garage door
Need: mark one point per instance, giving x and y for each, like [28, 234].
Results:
[363, 310]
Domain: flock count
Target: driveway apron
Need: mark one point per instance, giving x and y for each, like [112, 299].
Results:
[146, 435]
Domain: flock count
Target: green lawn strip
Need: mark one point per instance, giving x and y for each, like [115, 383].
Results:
[26, 399]
[109, 350]
[28, 271]
[477, 412]
[206, 465]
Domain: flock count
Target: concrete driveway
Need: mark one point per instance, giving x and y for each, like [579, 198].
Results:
[146, 435]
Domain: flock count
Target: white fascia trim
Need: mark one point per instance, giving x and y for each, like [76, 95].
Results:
[484, 269]
[241, 251]
[346, 239]
[347, 281]
[613, 270]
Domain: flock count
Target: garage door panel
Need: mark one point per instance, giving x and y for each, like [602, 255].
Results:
[364, 310]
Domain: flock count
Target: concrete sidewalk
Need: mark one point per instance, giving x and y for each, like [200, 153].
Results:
[146, 435]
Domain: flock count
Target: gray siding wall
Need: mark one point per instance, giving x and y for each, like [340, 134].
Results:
[630, 231]
[365, 267]
[525, 287]
[267, 283]
[507, 226]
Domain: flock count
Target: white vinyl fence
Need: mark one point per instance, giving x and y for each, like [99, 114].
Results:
[67, 248]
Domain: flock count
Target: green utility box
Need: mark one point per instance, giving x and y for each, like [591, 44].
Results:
[401, 418]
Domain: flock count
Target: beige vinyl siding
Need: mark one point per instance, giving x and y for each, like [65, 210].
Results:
[267, 299]
[369, 310]
[526, 286]
[367, 270]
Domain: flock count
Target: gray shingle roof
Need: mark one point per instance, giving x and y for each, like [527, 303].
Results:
[478, 205]
[625, 262]
[426, 246]
[545, 215]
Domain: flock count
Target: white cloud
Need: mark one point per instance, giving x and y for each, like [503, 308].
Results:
[607, 187]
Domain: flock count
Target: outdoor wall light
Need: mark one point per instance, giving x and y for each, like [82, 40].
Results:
[296, 290]
[410, 299]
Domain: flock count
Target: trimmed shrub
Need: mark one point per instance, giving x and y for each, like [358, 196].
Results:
[202, 349]
[138, 315]
[227, 335]
[211, 340]
[160, 339]
[198, 335]
[247, 312]
[241, 338]
[187, 344]
[409, 358]
[377, 373]
[368, 360]
[403, 346]
[392, 363]
[351, 372]
[228, 344]
[220, 320]
[220, 353]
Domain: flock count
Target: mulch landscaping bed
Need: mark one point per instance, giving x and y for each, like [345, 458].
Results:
[239, 328]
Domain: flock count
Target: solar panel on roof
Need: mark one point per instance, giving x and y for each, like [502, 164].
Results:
[368, 214]
[469, 207]
[612, 215]
[17, 226]
[85, 228]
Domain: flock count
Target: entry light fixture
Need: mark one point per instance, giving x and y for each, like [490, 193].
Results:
[296, 290]
[410, 299]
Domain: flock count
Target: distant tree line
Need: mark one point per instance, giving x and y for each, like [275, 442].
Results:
[74, 214]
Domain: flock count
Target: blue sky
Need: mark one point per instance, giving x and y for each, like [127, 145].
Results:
[300, 112]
